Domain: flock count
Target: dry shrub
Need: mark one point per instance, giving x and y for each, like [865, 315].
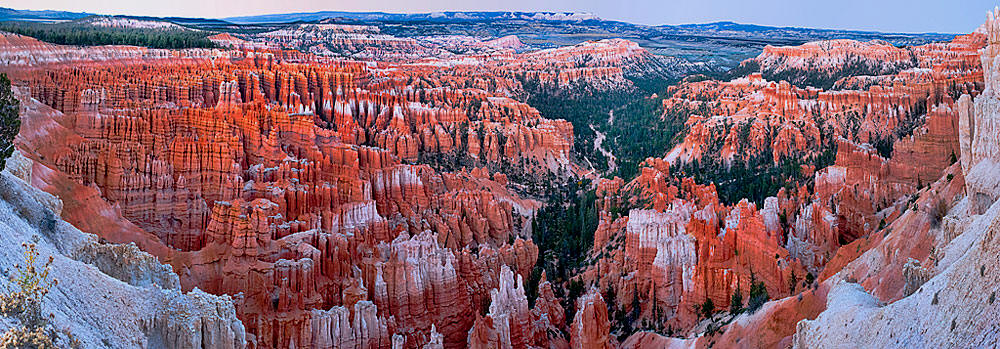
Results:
[25, 304]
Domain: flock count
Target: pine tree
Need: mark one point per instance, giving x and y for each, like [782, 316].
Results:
[10, 121]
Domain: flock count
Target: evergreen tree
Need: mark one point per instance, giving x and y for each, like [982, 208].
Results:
[10, 121]
[736, 302]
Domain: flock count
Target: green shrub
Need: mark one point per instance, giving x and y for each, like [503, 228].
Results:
[939, 209]
[10, 121]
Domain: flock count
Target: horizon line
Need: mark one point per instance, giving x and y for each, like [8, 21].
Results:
[599, 18]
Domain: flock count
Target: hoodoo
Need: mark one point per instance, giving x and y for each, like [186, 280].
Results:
[494, 180]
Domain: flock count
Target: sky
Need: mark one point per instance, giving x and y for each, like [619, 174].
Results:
[944, 16]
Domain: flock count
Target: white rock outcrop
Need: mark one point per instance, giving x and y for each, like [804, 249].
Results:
[957, 308]
[509, 310]
[979, 127]
[108, 296]
[953, 303]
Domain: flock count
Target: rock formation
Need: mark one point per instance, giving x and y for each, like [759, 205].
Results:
[687, 248]
[333, 185]
[901, 283]
[97, 278]
[591, 327]
[977, 124]
[306, 190]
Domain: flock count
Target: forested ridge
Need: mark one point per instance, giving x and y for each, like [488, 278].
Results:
[82, 33]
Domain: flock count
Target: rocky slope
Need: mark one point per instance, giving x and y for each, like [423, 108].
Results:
[98, 278]
[753, 117]
[948, 294]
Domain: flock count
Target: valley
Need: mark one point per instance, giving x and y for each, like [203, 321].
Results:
[505, 180]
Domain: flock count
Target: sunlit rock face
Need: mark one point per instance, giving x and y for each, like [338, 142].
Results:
[750, 117]
[367, 193]
[873, 214]
[301, 188]
[339, 200]
[591, 327]
[511, 324]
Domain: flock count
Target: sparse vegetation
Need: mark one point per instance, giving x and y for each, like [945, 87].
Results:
[793, 280]
[707, 308]
[32, 283]
[827, 78]
[758, 294]
[939, 209]
[736, 302]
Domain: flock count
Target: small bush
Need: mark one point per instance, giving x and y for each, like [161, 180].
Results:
[938, 210]
[25, 305]
[793, 281]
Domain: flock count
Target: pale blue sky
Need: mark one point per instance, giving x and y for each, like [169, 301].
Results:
[955, 16]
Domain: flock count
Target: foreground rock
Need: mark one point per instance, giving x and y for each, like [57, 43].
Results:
[98, 279]
[949, 294]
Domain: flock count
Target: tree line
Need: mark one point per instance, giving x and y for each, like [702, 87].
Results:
[83, 34]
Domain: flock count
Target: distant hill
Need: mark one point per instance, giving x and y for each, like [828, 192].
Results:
[719, 44]
[95, 30]
[9, 14]
[805, 33]
[726, 42]
[429, 17]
